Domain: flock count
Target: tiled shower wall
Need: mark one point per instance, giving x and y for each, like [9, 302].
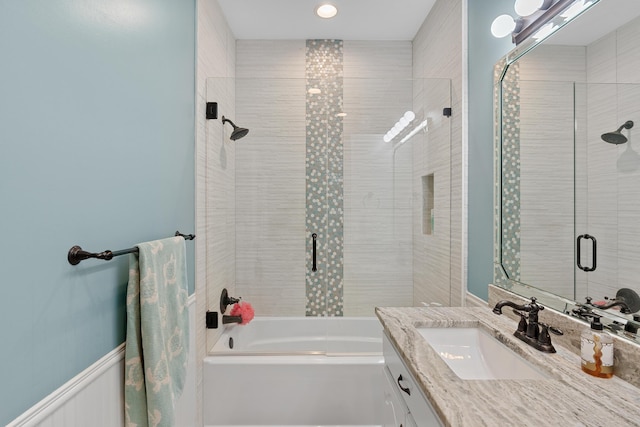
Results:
[377, 179]
[324, 214]
[272, 258]
[439, 260]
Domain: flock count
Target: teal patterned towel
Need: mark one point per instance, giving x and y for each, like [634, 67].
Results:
[157, 333]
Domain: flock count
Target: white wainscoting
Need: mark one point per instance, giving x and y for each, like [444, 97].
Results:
[95, 397]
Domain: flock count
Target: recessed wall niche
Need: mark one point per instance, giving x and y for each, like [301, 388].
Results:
[428, 208]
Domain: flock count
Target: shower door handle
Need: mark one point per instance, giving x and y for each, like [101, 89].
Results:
[315, 237]
[594, 255]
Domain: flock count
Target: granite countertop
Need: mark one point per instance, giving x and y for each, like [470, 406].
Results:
[568, 397]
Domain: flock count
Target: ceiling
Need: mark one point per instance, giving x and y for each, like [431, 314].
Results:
[296, 19]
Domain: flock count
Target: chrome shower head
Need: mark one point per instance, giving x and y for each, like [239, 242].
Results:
[238, 132]
[616, 137]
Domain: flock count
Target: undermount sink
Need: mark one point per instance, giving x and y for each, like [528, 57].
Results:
[473, 354]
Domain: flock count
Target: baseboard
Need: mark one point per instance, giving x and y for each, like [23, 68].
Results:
[105, 376]
[473, 301]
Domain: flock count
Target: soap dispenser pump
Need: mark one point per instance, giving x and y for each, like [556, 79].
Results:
[596, 349]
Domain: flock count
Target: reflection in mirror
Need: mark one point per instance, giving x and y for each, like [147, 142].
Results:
[569, 177]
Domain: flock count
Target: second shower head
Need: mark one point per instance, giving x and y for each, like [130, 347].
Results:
[616, 137]
[237, 132]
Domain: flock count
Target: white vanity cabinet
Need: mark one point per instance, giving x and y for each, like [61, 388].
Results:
[407, 403]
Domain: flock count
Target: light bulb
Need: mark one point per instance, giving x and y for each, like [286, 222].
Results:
[502, 26]
[409, 115]
[527, 7]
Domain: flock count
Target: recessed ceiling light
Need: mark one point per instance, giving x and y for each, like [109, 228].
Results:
[326, 10]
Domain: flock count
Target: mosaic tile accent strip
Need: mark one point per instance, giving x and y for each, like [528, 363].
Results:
[324, 177]
[508, 187]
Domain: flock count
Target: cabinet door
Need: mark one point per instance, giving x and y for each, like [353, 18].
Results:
[404, 384]
[395, 410]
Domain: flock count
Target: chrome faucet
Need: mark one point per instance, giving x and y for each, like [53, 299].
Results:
[530, 330]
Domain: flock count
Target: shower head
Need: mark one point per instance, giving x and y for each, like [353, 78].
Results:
[238, 132]
[616, 137]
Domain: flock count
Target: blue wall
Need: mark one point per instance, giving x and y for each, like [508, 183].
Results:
[96, 149]
[484, 51]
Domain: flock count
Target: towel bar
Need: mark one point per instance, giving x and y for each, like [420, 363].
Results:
[76, 254]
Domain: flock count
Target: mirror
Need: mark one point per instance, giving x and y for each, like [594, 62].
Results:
[568, 188]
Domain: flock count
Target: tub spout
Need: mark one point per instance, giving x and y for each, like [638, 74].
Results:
[231, 319]
[624, 308]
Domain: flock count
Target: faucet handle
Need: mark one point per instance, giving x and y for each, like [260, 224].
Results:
[522, 325]
[544, 337]
[556, 331]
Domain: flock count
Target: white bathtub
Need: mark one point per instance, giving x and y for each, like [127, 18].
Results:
[296, 371]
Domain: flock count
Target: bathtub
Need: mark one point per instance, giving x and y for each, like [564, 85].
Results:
[296, 371]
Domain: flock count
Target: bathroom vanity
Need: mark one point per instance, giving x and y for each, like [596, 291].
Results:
[556, 392]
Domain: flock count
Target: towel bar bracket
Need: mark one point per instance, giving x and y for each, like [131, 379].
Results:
[76, 254]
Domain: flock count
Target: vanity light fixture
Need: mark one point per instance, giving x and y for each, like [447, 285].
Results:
[326, 10]
[399, 126]
[314, 91]
[535, 16]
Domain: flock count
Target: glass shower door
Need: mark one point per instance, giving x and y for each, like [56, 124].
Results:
[317, 163]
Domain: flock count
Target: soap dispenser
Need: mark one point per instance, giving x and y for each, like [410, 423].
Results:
[596, 349]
